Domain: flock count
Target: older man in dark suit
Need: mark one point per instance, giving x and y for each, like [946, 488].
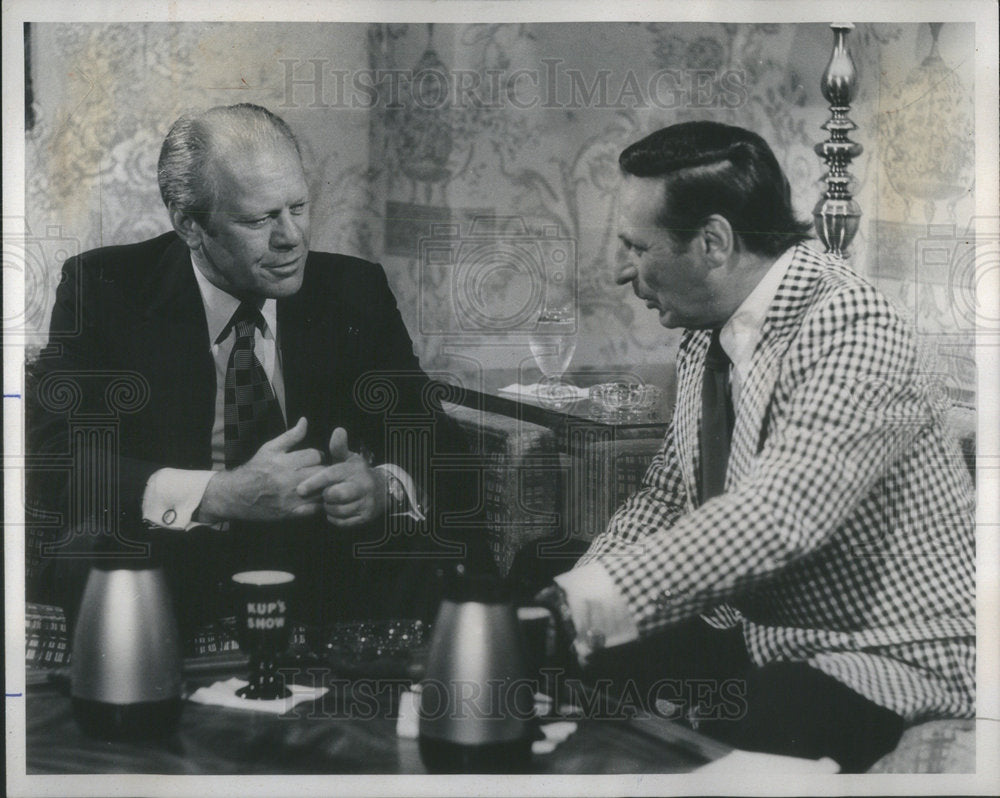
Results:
[276, 383]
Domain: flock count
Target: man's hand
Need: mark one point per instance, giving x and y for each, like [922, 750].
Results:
[263, 488]
[352, 492]
[565, 654]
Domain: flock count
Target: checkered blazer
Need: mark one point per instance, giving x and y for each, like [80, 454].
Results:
[845, 536]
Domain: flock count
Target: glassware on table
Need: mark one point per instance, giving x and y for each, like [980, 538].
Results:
[552, 343]
[263, 628]
[625, 400]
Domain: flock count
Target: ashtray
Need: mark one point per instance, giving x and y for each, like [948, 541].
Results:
[625, 399]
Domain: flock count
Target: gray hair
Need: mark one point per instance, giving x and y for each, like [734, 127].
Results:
[187, 183]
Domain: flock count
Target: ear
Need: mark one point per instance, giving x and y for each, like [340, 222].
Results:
[718, 239]
[187, 227]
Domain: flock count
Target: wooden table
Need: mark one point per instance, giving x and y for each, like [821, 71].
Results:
[345, 732]
[568, 469]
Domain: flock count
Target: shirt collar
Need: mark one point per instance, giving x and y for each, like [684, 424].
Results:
[220, 307]
[739, 336]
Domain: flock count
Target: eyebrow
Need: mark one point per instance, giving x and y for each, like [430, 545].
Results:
[250, 215]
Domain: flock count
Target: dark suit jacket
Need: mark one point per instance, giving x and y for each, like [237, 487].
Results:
[129, 346]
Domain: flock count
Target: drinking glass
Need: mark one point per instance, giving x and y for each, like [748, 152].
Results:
[263, 628]
[552, 344]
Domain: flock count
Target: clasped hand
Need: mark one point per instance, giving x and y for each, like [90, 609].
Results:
[264, 488]
[351, 491]
[277, 484]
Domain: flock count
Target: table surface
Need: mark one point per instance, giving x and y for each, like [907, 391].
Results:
[485, 394]
[347, 731]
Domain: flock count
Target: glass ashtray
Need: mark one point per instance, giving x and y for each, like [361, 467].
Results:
[625, 399]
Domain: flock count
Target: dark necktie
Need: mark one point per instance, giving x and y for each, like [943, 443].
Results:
[251, 412]
[716, 420]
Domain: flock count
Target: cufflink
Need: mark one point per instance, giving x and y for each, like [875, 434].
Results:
[395, 490]
[595, 640]
[169, 517]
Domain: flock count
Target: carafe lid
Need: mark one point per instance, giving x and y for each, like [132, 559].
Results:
[112, 552]
[461, 584]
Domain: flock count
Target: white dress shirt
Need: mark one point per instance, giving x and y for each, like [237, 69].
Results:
[600, 613]
[173, 495]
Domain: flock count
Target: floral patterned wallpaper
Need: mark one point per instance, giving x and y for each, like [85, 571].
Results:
[478, 162]
[547, 155]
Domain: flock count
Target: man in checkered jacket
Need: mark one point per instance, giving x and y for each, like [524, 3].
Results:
[822, 597]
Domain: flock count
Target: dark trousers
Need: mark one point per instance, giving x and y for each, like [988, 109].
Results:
[788, 708]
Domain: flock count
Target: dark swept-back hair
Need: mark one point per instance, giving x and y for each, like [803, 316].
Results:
[711, 168]
[186, 181]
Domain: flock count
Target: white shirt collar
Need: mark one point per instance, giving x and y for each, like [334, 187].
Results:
[220, 307]
[739, 336]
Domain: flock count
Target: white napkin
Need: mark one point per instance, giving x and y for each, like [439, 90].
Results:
[407, 724]
[745, 762]
[534, 390]
[555, 733]
[223, 694]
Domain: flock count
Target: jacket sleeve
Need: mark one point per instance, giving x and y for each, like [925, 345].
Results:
[656, 506]
[67, 386]
[393, 392]
[406, 424]
[851, 403]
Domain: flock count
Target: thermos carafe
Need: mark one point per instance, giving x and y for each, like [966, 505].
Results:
[126, 657]
[476, 700]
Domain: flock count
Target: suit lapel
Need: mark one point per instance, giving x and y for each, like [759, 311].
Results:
[173, 303]
[294, 323]
[315, 357]
[780, 326]
[754, 401]
[687, 418]
[173, 350]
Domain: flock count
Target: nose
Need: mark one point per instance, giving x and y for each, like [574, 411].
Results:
[287, 231]
[625, 271]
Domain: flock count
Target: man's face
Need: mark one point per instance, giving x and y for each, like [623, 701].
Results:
[674, 279]
[255, 241]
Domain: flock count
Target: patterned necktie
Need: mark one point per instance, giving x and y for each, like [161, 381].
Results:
[716, 420]
[251, 412]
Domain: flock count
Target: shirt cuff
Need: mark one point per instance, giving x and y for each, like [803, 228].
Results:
[413, 510]
[172, 497]
[599, 610]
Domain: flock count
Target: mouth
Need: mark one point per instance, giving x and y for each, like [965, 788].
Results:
[285, 268]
